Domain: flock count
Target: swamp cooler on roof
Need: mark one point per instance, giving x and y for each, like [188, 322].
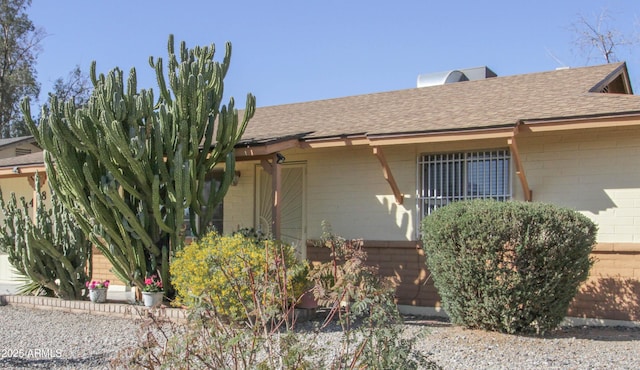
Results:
[456, 75]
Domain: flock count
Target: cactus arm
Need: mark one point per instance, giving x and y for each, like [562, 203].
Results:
[157, 207]
[127, 167]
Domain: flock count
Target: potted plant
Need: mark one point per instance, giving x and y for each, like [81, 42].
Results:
[152, 292]
[97, 290]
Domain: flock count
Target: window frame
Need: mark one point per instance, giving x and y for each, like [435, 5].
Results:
[460, 161]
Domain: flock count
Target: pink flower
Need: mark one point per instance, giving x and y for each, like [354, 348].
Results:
[152, 284]
[97, 284]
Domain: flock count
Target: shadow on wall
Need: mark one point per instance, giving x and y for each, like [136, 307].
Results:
[399, 216]
[615, 298]
[405, 261]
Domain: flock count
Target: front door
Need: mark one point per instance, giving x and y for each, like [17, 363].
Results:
[293, 221]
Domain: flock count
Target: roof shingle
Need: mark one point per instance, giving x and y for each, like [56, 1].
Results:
[494, 102]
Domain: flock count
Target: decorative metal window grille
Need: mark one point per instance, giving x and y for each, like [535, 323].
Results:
[450, 177]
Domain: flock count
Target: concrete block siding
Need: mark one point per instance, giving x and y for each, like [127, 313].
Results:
[612, 291]
[595, 172]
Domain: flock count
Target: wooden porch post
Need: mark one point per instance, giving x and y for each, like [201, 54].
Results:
[274, 169]
[276, 183]
[32, 183]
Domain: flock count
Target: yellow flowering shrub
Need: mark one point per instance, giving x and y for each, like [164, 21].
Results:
[228, 273]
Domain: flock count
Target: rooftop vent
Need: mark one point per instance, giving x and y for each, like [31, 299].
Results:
[456, 75]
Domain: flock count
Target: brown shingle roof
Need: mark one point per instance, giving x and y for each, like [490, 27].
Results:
[23, 160]
[493, 102]
[17, 140]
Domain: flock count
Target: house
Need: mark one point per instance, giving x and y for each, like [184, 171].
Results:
[16, 152]
[375, 165]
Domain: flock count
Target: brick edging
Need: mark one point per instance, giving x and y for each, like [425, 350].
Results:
[116, 309]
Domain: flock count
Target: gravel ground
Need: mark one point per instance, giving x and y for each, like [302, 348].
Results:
[52, 339]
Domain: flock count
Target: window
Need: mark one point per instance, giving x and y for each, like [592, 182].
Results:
[449, 177]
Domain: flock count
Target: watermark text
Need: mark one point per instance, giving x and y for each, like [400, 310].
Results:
[30, 353]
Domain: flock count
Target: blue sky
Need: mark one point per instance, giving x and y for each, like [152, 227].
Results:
[293, 51]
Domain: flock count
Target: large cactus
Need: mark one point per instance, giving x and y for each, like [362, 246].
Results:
[52, 251]
[130, 166]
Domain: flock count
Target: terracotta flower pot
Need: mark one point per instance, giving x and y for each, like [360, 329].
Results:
[307, 301]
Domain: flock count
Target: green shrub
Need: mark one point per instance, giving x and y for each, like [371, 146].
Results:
[507, 266]
[364, 304]
[370, 335]
[227, 273]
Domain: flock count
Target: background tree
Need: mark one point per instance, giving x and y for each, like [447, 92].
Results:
[19, 47]
[601, 36]
[76, 87]
[129, 166]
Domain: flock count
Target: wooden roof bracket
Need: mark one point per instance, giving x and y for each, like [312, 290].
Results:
[528, 193]
[386, 172]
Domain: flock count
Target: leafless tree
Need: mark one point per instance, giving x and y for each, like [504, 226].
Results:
[601, 36]
[76, 87]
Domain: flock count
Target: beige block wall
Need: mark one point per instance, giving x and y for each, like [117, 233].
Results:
[239, 200]
[347, 189]
[596, 172]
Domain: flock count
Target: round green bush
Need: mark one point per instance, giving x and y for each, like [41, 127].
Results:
[507, 266]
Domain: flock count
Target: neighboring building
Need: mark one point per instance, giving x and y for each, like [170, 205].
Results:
[375, 165]
[16, 152]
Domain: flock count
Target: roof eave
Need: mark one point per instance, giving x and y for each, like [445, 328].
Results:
[579, 123]
[487, 133]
